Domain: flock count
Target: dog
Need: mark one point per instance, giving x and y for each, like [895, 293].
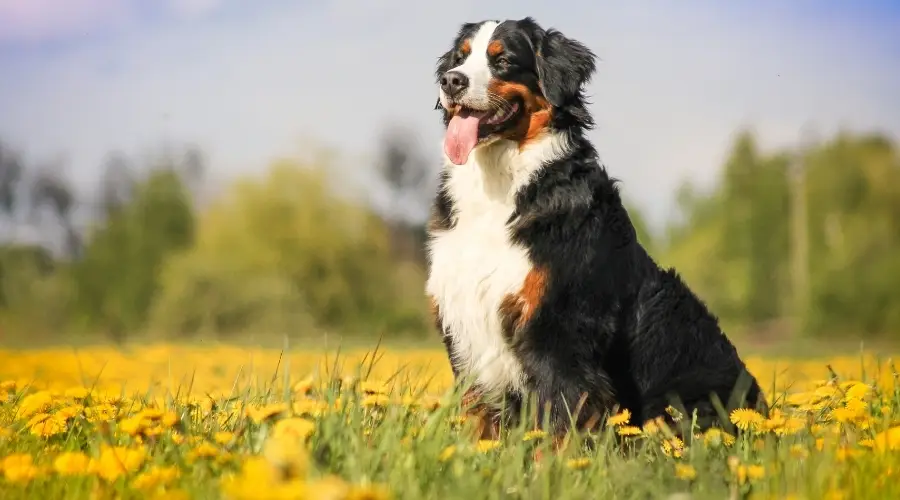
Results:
[538, 284]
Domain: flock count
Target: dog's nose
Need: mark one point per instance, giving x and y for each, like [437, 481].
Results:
[454, 83]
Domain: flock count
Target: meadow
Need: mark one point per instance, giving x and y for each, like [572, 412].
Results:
[219, 421]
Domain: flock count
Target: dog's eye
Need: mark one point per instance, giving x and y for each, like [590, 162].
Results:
[502, 61]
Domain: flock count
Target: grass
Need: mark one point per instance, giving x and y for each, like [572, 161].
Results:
[172, 421]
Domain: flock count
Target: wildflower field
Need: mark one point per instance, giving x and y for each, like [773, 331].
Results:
[228, 422]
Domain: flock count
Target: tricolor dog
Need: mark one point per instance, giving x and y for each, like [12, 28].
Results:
[539, 286]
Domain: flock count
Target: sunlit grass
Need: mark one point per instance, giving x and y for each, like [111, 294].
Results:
[225, 422]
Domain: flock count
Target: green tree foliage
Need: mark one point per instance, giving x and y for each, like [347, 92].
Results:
[734, 243]
[284, 254]
[117, 278]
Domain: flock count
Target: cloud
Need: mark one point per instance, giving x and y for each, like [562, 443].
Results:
[33, 21]
[43, 20]
[674, 83]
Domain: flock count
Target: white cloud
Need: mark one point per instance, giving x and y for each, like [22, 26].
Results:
[674, 84]
[40, 20]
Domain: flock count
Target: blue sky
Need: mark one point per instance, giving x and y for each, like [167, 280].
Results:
[250, 80]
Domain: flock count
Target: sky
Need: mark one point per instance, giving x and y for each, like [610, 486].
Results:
[251, 80]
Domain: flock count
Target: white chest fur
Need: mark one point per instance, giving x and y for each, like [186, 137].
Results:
[475, 265]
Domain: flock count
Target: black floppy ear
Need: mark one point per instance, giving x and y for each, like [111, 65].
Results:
[443, 65]
[564, 66]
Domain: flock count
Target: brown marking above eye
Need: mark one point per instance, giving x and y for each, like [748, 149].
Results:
[466, 47]
[495, 48]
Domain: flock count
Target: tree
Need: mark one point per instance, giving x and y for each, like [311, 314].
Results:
[50, 189]
[118, 277]
[286, 255]
[410, 179]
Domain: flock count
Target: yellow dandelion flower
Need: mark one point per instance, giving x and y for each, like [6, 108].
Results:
[888, 440]
[628, 430]
[223, 437]
[259, 414]
[39, 402]
[792, 425]
[714, 437]
[288, 456]
[103, 412]
[673, 447]
[844, 453]
[801, 398]
[755, 472]
[297, 428]
[867, 443]
[775, 422]
[368, 492]
[578, 463]
[375, 400]
[155, 477]
[36, 419]
[857, 406]
[858, 390]
[177, 438]
[68, 412]
[19, 468]
[685, 471]
[486, 445]
[746, 419]
[303, 387]
[534, 435]
[168, 419]
[798, 451]
[132, 425]
[842, 415]
[653, 426]
[71, 463]
[8, 385]
[310, 407]
[116, 461]
[447, 453]
[621, 418]
[49, 427]
[203, 450]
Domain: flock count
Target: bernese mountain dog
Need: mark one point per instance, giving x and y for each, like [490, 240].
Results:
[538, 284]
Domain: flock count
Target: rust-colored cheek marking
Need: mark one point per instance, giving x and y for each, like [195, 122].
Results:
[535, 121]
[495, 48]
[517, 309]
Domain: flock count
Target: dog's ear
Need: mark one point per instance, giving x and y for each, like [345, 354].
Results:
[443, 65]
[564, 66]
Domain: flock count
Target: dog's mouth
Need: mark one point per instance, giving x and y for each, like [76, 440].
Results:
[469, 125]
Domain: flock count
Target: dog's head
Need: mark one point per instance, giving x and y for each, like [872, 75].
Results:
[510, 80]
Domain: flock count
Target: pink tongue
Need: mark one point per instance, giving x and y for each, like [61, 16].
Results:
[462, 134]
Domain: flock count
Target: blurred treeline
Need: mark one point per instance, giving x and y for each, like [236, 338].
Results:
[797, 242]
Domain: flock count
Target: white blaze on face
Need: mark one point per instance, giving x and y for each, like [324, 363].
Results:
[476, 68]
